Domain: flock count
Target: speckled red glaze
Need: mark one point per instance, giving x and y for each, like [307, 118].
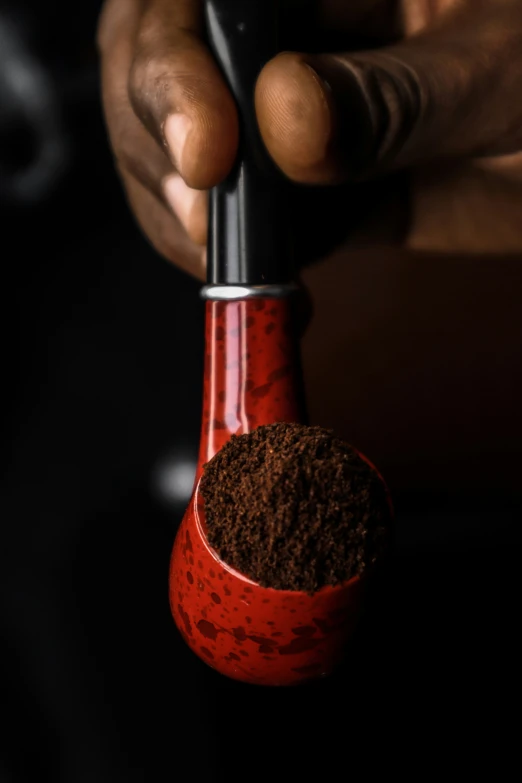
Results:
[252, 373]
[251, 633]
[245, 631]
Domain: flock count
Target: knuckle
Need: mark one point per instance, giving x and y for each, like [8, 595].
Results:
[380, 106]
[150, 80]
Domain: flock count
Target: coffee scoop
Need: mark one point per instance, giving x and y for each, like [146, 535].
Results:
[252, 377]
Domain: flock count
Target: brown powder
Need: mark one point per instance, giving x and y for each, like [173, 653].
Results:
[294, 508]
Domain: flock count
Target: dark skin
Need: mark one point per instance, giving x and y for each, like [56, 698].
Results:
[449, 88]
[436, 96]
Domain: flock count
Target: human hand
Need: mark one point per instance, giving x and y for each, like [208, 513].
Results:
[445, 89]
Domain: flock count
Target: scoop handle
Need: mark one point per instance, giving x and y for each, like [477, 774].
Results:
[248, 238]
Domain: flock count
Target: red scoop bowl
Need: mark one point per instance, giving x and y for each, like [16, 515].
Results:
[245, 631]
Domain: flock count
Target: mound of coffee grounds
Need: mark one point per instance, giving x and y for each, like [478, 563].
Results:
[294, 508]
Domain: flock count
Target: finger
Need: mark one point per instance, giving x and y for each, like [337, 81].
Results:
[134, 150]
[179, 93]
[136, 153]
[449, 92]
[190, 206]
[163, 230]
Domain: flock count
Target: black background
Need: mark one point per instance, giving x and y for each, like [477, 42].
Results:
[102, 349]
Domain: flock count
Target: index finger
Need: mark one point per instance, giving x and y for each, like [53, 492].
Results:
[179, 93]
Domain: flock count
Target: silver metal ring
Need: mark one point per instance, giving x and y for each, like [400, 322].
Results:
[231, 292]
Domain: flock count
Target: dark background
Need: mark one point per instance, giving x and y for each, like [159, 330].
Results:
[102, 348]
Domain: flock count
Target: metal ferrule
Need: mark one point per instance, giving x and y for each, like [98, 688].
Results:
[232, 292]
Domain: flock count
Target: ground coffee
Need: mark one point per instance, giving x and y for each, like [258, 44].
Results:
[294, 508]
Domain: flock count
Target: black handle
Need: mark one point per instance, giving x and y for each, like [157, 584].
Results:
[248, 240]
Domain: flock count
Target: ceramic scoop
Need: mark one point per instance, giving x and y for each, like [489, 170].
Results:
[252, 377]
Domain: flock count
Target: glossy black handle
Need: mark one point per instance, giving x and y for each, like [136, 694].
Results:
[248, 242]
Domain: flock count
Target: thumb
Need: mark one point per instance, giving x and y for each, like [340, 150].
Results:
[453, 91]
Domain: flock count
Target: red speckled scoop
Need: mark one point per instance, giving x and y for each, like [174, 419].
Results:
[247, 632]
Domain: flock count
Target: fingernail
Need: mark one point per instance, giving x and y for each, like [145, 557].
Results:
[177, 127]
[180, 197]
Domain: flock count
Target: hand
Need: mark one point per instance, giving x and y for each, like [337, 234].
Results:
[446, 89]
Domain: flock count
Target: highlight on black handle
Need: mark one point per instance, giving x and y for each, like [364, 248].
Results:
[248, 240]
